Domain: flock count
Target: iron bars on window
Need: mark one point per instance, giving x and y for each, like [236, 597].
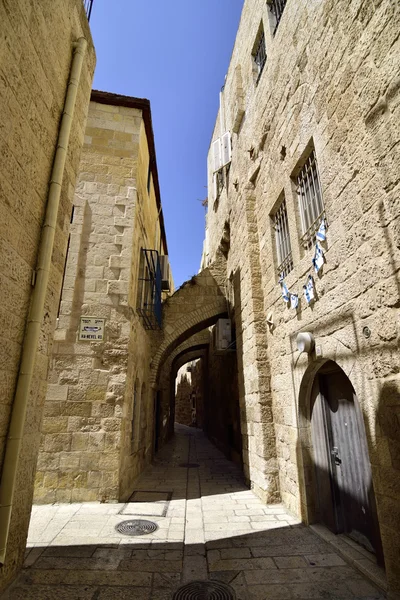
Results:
[282, 239]
[311, 205]
[149, 289]
[88, 7]
[277, 7]
[260, 55]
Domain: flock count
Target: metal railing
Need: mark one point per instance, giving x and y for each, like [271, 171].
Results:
[88, 7]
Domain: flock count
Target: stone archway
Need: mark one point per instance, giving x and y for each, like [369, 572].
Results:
[194, 306]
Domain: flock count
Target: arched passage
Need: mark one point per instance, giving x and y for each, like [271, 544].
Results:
[339, 490]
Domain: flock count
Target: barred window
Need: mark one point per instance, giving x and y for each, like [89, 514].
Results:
[276, 7]
[260, 54]
[311, 205]
[282, 239]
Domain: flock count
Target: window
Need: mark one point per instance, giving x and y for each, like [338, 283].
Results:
[276, 8]
[259, 53]
[218, 183]
[148, 179]
[149, 289]
[311, 205]
[282, 239]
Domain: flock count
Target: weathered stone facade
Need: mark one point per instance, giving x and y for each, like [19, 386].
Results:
[189, 394]
[97, 431]
[330, 83]
[36, 49]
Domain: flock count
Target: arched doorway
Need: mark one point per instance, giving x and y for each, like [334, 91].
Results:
[344, 490]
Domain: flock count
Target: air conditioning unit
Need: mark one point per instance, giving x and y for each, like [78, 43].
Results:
[164, 266]
[223, 335]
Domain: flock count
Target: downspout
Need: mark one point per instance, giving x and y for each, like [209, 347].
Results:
[36, 312]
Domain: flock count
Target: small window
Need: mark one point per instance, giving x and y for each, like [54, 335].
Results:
[148, 179]
[311, 205]
[276, 8]
[219, 183]
[282, 239]
[259, 53]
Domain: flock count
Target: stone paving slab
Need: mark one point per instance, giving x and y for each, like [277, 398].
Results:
[214, 528]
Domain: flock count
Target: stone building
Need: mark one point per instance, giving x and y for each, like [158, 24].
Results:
[38, 46]
[97, 431]
[306, 142]
[189, 394]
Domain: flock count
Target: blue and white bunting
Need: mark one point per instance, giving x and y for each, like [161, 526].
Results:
[309, 289]
[294, 301]
[284, 289]
[321, 233]
[318, 260]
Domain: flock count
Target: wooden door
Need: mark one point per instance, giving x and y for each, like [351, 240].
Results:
[344, 478]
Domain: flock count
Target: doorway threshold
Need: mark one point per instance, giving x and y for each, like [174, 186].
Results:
[354, 554]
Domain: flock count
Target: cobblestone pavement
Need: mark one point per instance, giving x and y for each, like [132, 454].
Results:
[210, 527]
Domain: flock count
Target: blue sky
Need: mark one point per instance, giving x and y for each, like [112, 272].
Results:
[176, 54]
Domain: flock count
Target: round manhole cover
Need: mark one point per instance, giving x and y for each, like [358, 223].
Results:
[189, 465]
[136, 527]
[205, 590]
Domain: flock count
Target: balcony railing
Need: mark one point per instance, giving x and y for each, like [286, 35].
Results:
[88, 7]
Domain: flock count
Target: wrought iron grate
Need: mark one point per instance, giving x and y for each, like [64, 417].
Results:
[149, 289]
[310, 200]
[136, 527]
[277, 7]
[205, 590]
[260, 55]
[282, 239]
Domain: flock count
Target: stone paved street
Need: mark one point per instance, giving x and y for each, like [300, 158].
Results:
[213, 528]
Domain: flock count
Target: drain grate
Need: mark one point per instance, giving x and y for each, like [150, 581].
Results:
[205, 590]
[136, 527]
[189, 465]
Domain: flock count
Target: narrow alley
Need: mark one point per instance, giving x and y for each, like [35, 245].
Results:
[210, 527]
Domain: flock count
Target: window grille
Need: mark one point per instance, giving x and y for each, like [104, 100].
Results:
[219, 182]
[282, 239]
[149, 289]
[88, 7]
[310, 200]
[260, 55]
[277, 7]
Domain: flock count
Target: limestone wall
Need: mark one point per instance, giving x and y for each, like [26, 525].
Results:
[331, 81]
[189, 394]
[35, 59]
[90, 435]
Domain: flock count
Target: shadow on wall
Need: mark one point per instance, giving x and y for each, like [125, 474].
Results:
[243, 409]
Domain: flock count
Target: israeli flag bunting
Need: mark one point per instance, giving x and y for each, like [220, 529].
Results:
[309, 289]
[294, 300]
[285, 291]
[318, 260]
[321, 233]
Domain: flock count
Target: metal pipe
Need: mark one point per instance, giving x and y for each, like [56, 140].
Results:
[35, 317]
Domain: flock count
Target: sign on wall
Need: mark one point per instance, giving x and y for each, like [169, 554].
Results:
[91, 329]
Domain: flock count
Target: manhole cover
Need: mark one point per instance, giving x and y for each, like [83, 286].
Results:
[189, 465]
[205, 590]
[136, 527]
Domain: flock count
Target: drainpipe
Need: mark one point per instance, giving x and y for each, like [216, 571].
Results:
[35, 317]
